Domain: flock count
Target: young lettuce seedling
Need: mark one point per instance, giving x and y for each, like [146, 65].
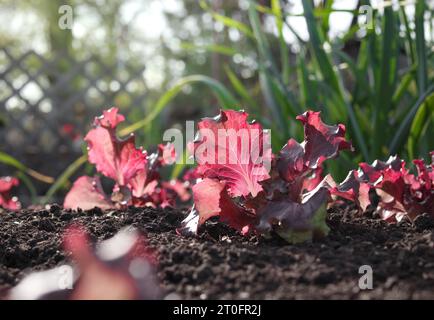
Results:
[136, 174]
[400, 192]
[288, 199]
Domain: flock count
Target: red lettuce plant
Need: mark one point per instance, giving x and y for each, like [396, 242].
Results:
[400, 192]
[136, 174]
[119, 268]
[288, 199]
[6, 200]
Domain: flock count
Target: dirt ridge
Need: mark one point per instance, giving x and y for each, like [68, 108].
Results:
[221, 264]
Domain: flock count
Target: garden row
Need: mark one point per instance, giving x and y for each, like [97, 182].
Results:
[254, 191]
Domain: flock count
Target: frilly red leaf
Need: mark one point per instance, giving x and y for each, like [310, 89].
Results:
[117, 159]
[6, 200]
[121, 268]
[191, 175]
[404, 194]
[207, 196]
[288, 217]
[291, 162]
[290, 200]
[7, 183]
[147, 179]
[109, 119]
[321, 141]
[353, 189]
[166, 154]
[140, 184]
[86, 194]
[136, 175]
[401, 193]
[372, 172]
[233, 151]
[211, 199]
[180, 188]
[313, 180]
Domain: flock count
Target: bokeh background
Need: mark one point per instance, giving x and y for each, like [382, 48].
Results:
[166, 61]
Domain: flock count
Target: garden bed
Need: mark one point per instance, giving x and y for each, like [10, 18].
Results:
[220, 264]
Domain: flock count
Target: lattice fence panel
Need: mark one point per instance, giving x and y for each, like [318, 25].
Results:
[46, 103]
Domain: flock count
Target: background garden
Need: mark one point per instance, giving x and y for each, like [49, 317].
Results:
[367, 64]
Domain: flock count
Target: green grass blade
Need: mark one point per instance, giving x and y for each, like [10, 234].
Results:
[409, 43]
[11, 161]
[360, 84]
[404, 128]
[228, 51]
[264, 76]
[362, 64]
[270, 100]
[227, 21]
[420, 124]
[284, 52]
[241, 89]
[305, 85]
[225, 98]
[422, 65]
[328, 9]
[177, 169]
[317, 42]
[270, 78]
[357, 131]
[269, 67]
[387, 79]
[29, 185]
[62, 180]
[403, 86]
[231, 23]
[263, 45]
[330, 76]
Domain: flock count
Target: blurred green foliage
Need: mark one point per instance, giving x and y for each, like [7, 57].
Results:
[377, 81]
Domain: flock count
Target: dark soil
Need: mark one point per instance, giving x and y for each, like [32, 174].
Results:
[221, 264]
